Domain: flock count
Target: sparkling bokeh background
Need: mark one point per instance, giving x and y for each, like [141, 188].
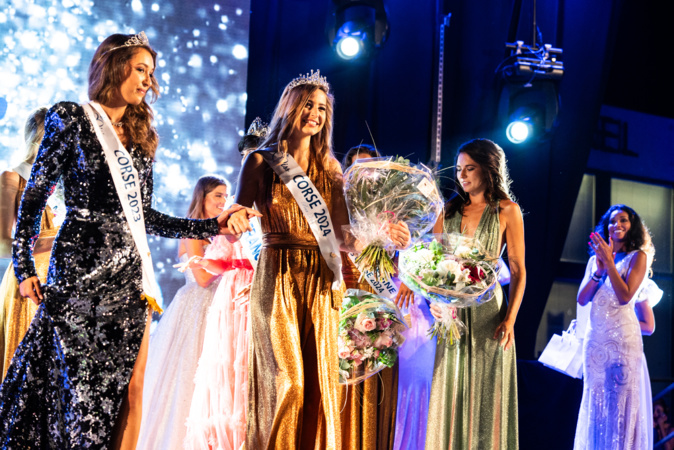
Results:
[202, 62]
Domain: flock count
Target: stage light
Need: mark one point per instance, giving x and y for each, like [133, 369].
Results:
[519, 131]
[349, 47]
[356, 28]
[529, 99]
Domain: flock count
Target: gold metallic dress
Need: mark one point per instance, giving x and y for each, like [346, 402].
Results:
[16, 312]
[293, 379]
[473, 402]
[369, 415]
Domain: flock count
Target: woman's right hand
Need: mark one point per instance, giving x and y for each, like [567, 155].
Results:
[603, 252]
[30, 288]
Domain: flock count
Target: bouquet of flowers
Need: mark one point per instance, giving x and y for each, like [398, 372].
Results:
[369, 335]
[379, 190]
[451, 269]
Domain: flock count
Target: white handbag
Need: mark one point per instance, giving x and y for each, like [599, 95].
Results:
[564, 353]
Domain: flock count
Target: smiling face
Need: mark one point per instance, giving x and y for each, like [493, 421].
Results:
[139, 79]
[214, 201]
[619, 225]
[313, 115]
[469, 174]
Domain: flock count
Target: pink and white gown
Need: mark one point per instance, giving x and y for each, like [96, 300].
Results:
[217, 417]
[175, 348]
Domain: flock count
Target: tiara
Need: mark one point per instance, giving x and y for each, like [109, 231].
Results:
[314, 78]
[139, 40]
[258, 128]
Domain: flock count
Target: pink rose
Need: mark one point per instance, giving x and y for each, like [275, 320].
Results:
[383, 323]
[384, 340]
[361, 340]
[365, 323]
[344, 352]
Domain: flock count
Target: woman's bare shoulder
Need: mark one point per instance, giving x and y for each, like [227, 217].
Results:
[509, 208]
[9, 177]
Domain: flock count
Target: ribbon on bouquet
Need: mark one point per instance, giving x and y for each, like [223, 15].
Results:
[385, 288]
[127, 184]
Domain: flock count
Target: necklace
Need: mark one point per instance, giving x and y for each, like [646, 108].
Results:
[117, 124]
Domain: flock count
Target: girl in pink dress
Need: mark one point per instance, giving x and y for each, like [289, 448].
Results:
[217, 417]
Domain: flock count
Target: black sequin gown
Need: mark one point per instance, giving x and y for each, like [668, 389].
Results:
[65, 385]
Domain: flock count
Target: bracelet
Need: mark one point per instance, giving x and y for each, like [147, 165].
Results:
[596, 277]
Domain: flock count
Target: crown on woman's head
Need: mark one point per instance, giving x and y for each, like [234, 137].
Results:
[258, 128]
[311, 78]
[138, 40]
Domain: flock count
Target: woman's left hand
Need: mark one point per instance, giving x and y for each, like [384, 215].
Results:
[436, 310]
[399, 234]
[505, 333]
[603, 250]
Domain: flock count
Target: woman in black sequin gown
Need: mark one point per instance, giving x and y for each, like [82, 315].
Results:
[84, 354]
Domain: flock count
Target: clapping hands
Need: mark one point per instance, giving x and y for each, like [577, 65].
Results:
[603, 251]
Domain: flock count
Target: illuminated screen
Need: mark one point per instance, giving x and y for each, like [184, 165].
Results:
[201, 68]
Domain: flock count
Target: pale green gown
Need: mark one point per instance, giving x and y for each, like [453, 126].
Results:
[474, 393]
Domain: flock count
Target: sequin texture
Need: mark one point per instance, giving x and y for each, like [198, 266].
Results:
[66, 381]
[615, 411]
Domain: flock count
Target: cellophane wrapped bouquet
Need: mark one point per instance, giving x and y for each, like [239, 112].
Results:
[370, 330]
[451, 269]
[381, 190]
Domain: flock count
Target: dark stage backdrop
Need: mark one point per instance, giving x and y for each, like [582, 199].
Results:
[202, 66]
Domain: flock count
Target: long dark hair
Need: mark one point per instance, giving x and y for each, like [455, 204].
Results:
[249, 143]
[491, 159]
[109, 68]
[638, 237]
[353, 151]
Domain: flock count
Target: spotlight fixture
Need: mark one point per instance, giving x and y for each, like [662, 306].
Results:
[349, 46]
[529, 99]
[526, 62]
[357, 27]
[519, 130]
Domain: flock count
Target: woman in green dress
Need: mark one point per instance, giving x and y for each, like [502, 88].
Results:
[473, 401]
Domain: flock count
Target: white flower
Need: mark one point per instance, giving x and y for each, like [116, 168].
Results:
[424, 256]
[418, 259]
[442, 269]
[463, 276]
[368, 352]
[427, 273]
[463, 252]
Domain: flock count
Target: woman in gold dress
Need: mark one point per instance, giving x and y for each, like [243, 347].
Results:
[17, 312]
[294, 396]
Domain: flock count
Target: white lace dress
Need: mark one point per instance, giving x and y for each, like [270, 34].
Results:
[175, 348]
[614, 413]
